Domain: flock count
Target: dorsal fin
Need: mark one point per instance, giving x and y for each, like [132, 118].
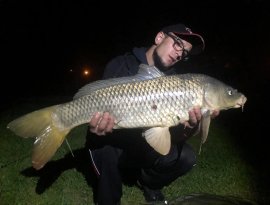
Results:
[145, 72]
[149, 72]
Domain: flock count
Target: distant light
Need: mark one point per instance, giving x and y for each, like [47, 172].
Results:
[70, 70]
[87, 71]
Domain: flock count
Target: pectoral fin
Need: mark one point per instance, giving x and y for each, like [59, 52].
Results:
[159, 138]
[204, 127]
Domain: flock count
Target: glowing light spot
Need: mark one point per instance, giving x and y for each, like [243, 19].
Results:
[86, 72]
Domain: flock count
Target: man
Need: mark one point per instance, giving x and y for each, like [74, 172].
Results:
[123, 156]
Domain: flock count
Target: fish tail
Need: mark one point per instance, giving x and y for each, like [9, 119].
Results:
[48, 135]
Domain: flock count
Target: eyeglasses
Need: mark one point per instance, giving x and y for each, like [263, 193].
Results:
[178, 45]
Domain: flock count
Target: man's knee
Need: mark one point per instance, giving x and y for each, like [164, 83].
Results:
[169, 169]
[187, 159]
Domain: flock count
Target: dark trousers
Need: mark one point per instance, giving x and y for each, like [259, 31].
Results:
[116, 167]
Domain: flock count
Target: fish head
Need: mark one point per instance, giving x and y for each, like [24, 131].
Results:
[220, 96]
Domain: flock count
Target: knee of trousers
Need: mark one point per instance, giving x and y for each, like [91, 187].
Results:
[162, 175]
[187, 160]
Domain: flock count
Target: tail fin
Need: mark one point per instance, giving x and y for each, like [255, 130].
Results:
[49, 137]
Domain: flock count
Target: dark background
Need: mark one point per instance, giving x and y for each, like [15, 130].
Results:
[42, 41]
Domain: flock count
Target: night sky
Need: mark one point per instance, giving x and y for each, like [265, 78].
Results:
[42, 41]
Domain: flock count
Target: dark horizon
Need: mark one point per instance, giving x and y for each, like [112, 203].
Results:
[42, 41]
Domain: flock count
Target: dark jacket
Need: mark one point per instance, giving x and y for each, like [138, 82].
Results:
[128, 64]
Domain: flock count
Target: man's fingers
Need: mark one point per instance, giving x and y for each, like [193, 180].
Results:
[110, 124]
[215, 114]
[101, 124]
[198, 114]
[194, 116]
[95, 120]
[95, 130]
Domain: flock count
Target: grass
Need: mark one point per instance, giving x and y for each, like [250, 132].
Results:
[222, 168]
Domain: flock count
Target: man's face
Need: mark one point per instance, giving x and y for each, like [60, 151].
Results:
[171, 50]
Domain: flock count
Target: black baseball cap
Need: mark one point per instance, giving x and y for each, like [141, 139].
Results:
[186, 34]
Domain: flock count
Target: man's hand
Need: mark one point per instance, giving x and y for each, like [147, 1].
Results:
[101, 123]
[195, 116]
[215, 114]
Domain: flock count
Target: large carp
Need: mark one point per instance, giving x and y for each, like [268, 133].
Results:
[148, 100]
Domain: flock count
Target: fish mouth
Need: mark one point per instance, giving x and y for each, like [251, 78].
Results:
[241, 102]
